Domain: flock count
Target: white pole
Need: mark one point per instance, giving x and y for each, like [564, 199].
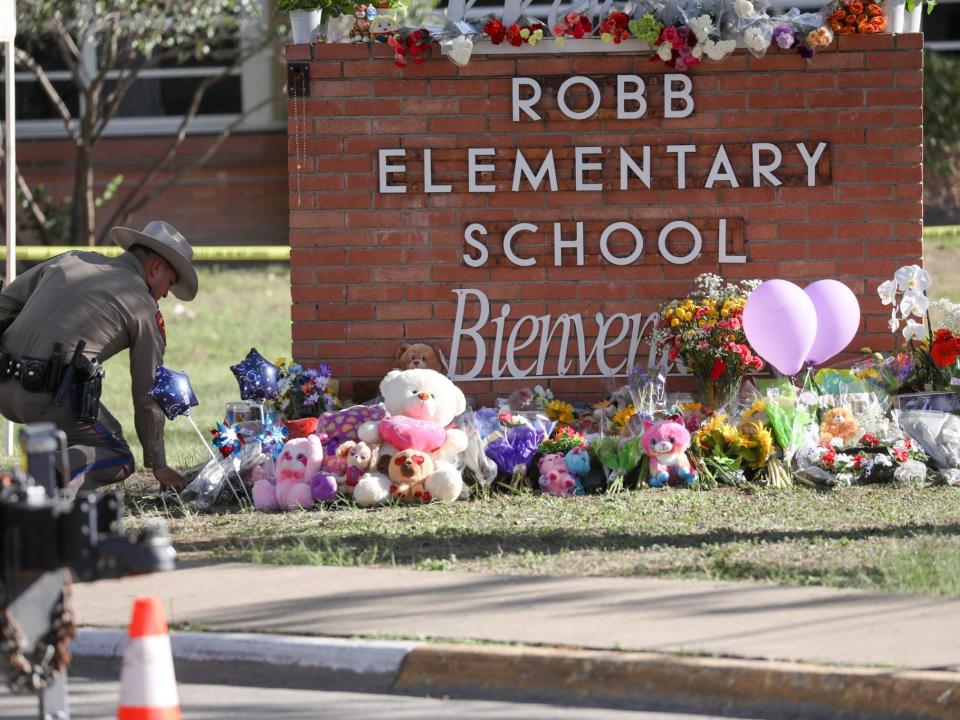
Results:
[11, 193]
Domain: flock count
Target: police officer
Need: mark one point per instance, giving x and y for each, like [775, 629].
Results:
[111, 305]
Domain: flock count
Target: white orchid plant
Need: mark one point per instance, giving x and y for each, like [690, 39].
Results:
[934, 348]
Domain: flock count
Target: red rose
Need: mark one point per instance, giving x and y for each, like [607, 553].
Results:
[496, 31]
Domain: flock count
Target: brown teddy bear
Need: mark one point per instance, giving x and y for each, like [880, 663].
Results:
[839, 423]
[418, 356]
[408, 471]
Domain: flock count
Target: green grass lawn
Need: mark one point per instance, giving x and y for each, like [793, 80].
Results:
[941, 258]
[236, 309]
[882, 537]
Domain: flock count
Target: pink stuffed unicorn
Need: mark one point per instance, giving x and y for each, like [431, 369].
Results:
[290, 488]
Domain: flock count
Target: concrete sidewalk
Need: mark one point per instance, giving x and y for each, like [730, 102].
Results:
[733, 620]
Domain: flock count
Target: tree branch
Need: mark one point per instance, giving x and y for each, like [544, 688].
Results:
[26, 60]
[123, 83]
[177, 141]
[36, 212]
[69, 50]
[132, 203]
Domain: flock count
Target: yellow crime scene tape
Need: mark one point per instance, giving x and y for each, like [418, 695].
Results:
[208, 253]
[281, 253]
[941, 232]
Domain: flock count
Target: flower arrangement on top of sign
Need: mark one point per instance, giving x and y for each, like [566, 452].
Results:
[857, 17]
[681, 33]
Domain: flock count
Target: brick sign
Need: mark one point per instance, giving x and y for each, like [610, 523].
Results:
[529, 215]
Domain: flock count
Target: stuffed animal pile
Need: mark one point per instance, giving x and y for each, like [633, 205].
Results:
[420, 404]
[402, 450]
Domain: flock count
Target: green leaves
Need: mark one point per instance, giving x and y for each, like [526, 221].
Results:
[137, 25]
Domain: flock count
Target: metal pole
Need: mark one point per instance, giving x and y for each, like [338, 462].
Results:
[11, 192]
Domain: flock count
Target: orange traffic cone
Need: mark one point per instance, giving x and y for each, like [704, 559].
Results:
[148, 688]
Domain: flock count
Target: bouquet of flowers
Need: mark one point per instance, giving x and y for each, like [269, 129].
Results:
[574, 24]
[887, 373]
[619, 456]
[705, 333]
[647, 390]
[304, 392]
[871, 461]
[854, 16]
[514, 445]
[646, 28]
[523, 31]
[413, 43]
[563, 440]
[727, 450]
[934, 350]
[615, 28]
[677, 47]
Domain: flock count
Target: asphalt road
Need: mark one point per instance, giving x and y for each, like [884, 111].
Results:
[96, 700]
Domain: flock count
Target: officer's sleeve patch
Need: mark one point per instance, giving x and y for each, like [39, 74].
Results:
[163, 328]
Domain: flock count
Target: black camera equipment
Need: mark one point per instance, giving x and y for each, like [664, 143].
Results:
[45, 540]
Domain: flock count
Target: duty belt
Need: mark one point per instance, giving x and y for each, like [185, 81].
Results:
[34, 374]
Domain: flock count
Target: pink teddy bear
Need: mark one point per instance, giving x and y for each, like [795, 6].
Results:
[297, 468]
[555, 478]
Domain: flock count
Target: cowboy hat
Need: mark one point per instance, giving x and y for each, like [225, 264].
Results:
[164, 240]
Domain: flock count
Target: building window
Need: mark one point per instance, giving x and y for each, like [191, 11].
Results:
[161, 95]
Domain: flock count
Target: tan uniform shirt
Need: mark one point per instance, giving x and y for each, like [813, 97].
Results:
[104, 301]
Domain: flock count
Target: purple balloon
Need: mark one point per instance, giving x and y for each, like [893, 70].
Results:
[838, 318]
[780, 322]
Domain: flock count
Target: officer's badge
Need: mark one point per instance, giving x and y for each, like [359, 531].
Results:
[163, 328]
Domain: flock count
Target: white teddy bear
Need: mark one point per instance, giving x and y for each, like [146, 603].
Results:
[420, 404]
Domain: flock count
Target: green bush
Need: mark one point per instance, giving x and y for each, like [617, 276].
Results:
[333, 8]
[941, 124]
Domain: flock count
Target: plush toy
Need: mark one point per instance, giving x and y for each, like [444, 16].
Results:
[555, 479]
[340, 426]
[520, 400]
[839, 427]
[382, 27]
[291, 487]
[357, 459]
[408, 471]
[666, 443]
[577, 461]
[420, 404]
[361, 25]
[413, 356]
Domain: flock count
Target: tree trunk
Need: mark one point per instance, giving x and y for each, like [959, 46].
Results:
[82, 208]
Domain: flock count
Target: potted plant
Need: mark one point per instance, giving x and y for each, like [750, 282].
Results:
[306, 16]
[914, 13]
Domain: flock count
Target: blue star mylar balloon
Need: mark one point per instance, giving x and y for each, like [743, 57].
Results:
[257, 377]
[172, 391]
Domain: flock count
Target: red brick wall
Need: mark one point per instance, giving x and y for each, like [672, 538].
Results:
[369, 269]
[237, 198]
